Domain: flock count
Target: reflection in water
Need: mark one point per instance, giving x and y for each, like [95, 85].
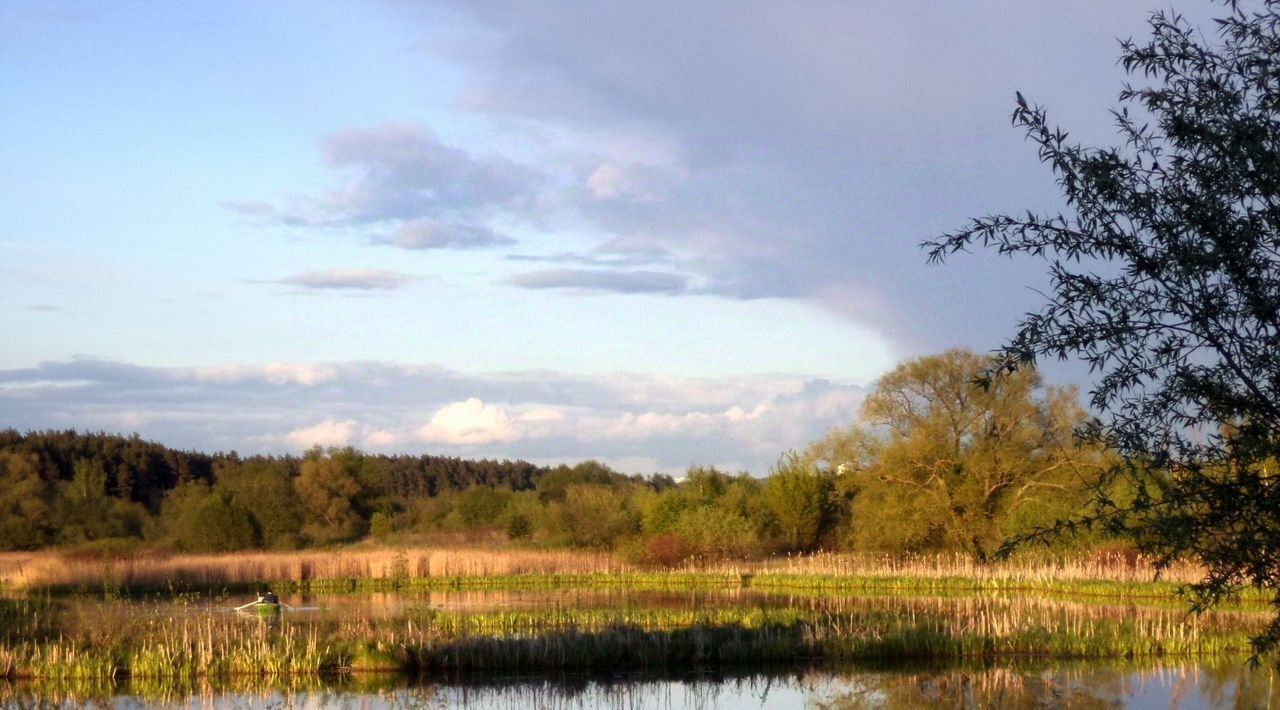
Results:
[1005, 685]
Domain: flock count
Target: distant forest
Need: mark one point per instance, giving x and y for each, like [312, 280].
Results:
[144, 471]
[108, 492]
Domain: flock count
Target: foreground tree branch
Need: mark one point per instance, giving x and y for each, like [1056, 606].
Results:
[1165, 279]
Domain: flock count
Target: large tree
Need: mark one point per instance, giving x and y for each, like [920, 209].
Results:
[1165, 269]
[939, 463]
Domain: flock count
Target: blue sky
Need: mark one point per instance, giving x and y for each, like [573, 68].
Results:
[658, 234]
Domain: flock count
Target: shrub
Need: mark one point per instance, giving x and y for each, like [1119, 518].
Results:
[666, 550]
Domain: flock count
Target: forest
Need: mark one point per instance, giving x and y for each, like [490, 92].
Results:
[935, 462]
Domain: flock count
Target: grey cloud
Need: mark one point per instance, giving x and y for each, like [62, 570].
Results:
[815, 145]
[404, 172]
[350, 279]
[44, 308]
[745, 421]
[592, 280]
[399, 179]
[426, 233]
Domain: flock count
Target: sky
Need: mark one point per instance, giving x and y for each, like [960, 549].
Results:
[656, 234]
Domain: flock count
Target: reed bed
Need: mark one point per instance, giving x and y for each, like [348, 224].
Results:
[121, 641]
[385, 568]
[1029, 570]
[51, 569]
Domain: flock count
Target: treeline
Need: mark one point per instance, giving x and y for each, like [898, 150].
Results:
[145, 471]
[73, 488]
[934, 463]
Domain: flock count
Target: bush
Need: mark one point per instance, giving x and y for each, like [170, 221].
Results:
[666, 550]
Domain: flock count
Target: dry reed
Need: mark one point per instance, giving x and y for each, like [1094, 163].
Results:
[52, 569]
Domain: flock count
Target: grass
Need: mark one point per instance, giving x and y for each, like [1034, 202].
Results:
[119, 642]
[1107, 577]
[389, 569]
[844, 607]
[52, 569]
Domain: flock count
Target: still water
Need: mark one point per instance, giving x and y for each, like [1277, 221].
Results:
[1226, 684]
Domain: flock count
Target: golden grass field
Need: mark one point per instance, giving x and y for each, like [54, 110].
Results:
[23, 570]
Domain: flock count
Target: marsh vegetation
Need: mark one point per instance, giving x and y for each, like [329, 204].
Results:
[447, 612]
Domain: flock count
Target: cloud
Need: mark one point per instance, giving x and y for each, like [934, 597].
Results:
[398, 184]
[798, 152]
[634, 183]
[350, 279]
[427, 233]
[473, 422]
[603, 281]
[619, 252]
[399, 172]
[252, 209]
[383, 440]
[44, 308]
[394, 407]
[469, 422]
[326, 433]
[276, 373]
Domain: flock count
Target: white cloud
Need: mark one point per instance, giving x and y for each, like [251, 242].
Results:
[468, 423]
[381, 440]
[326, 433]
[738, 414]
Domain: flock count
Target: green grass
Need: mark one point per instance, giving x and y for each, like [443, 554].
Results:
[124, 644]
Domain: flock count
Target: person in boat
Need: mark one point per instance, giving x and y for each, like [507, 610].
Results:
[266, 600]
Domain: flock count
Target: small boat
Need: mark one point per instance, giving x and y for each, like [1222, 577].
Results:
[266, 604]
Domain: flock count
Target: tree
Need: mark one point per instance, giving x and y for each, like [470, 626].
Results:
[1165, 274]
[553, 485]
[710, 514]
[941, 463]
[800, 497]
[265, 489]
[481, 506]
[25, 515]
[328, 488]
[220, 524]
[595, 515]
[85, 512]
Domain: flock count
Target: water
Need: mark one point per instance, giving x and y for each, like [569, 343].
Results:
[1024, 684]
